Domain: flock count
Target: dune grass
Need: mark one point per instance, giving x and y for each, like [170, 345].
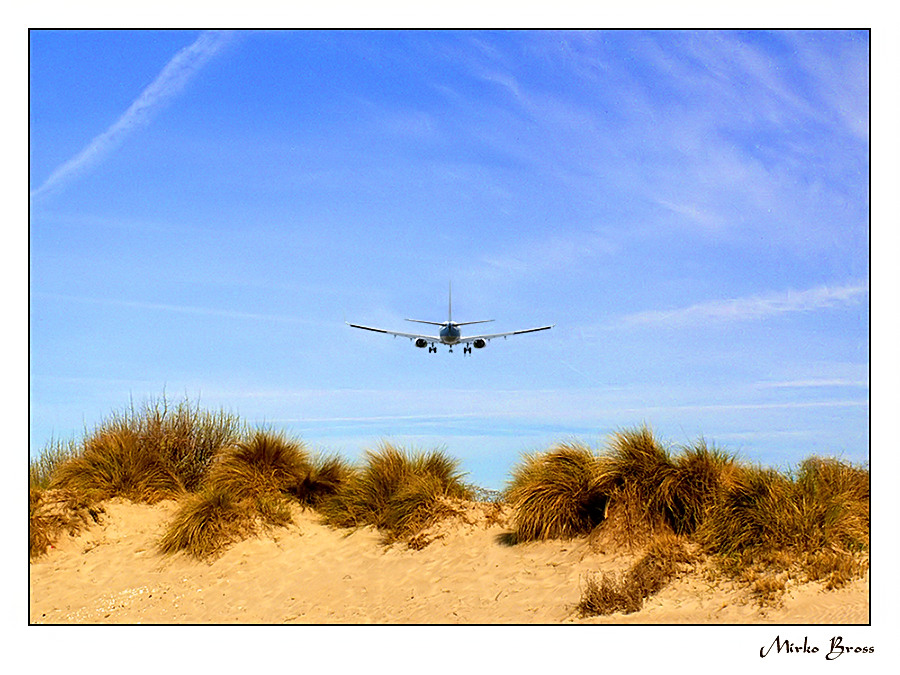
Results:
[757, 524]
[116, 463]
[265, 461]
[251, 484]
[54, 512]
[146, 454]
[700, 476]
[185, 436]
[207, 522]
[54, 454]
[396, 491]
[557, 494]
[664, 559]
[814, 520]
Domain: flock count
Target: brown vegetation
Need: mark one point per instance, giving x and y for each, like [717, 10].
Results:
[396, 491]
[557, 494]
[755, 523]
[664, 559]
[758, 526]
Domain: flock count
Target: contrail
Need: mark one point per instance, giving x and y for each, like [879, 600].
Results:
[170, 81]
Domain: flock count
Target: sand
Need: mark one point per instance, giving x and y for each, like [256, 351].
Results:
[308, 573]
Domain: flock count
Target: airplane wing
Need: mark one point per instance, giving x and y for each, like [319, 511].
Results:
[411, 336]
[467, 339]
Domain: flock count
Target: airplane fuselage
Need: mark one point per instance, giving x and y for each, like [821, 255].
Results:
[450, 334]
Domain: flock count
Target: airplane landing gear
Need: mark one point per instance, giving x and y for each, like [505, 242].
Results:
[467, 350]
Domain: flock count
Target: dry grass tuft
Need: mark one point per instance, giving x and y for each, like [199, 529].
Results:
[185, 436]
[117, 463]
[54, 512]
[55, 454]
[324, 478]
[398, 492]
[556, 494]
[634, 468]
[249, 485]
[264, 462]
[643, 484]
[697, 481]
[813, 524]
[145, 455]
[664, 559]
[207, 523]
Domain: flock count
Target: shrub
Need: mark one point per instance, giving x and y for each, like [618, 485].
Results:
[556, 494]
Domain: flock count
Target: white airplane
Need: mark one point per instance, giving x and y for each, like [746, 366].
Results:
[449, 333]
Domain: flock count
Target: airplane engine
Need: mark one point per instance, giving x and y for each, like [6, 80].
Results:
[421, 343]
[479, 343]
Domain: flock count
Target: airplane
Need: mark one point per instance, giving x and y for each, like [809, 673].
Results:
[449, 333]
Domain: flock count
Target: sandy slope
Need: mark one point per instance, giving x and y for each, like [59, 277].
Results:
[308, 573]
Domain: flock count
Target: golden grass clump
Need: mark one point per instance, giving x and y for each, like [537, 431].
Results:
[250, 484]
[145, 455]
[833, 498]
[556, 494]
[324, 478]
[117, 463]
[263, 462]
[185, 436]
[54, 454]
[652, 491]
[632, 472]
[814, 522]
[206, 523]
[699, 477]
[396, 491]
[756, 514]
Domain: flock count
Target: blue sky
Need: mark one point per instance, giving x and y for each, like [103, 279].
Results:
[689, 208]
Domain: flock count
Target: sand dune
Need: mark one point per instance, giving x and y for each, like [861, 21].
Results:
[309, 573]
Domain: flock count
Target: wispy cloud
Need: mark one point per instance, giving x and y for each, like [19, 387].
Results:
[750, 308]
[170, 82]
[177, 309]
[813, 383]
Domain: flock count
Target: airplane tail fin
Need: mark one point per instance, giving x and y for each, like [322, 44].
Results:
[450, 314]
[450, 310]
